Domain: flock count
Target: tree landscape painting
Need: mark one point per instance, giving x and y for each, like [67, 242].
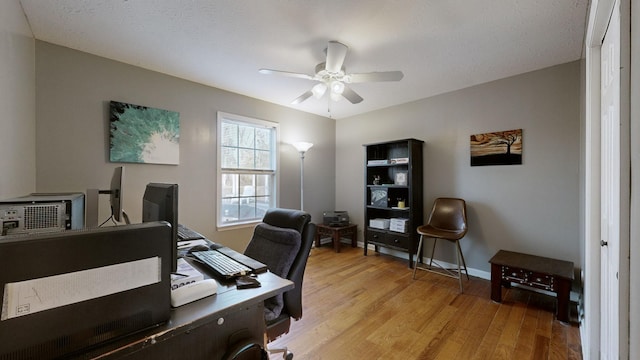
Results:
[497, 148]
[140, 134]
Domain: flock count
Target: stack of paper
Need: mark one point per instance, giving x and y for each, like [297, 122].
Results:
[185, 274]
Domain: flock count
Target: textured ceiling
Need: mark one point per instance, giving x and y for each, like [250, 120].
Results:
[440, 45]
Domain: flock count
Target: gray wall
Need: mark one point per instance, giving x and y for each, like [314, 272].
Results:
[533, 207]
[74, 89]
[17, 103]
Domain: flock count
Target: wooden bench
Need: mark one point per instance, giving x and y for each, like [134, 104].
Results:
[535, 271]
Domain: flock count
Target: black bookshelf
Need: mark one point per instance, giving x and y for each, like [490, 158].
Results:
[393, 193]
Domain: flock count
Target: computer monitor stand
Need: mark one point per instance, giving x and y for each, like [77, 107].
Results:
[91, 208]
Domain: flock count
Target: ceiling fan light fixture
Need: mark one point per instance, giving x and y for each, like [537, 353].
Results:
[331, 76]
[337, 87]
[319, 89]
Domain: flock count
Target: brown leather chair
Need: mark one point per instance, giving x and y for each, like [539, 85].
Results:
[448, 221]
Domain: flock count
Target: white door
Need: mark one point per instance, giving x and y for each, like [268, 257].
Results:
[610, 188]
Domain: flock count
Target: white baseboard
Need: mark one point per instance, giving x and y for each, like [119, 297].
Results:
[403, 255]
[486, 275]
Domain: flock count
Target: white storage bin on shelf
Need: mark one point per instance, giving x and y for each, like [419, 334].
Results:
[379, 223]
[398, 224]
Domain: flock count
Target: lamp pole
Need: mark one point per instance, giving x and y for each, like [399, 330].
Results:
[302, 148]
[302, 180]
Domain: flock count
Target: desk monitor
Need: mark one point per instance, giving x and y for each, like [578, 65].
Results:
[115, 195]
[64, 292]
[160, 203]
[115, 200]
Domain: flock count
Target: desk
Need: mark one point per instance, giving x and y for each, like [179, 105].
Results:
[535, 271]
[336, 233]
[203, 329]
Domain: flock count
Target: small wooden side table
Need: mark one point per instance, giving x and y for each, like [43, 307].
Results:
[336, 233]
[535, 271]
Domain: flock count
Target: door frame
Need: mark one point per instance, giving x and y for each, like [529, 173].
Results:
[634, 246]
[598, 20]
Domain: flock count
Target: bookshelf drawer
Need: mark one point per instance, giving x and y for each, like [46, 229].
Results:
[383, 238]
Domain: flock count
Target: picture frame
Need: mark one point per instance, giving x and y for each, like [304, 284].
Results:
[401, 178]
[496, 148]
[379, 196]
[141, 134]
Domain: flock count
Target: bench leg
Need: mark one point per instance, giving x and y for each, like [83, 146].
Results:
[564, 288]
[496, 283]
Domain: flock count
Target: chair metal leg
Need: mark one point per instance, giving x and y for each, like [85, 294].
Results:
[415, 265]
[450, 272]
[458, 253]
[433, 252]
[463, 262]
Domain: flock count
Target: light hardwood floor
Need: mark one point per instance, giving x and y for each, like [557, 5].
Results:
[358, 307]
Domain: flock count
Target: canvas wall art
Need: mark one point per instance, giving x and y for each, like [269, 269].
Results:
[497, 148]
[140, 134]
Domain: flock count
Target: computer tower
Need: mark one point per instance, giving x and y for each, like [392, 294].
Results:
[42, 212]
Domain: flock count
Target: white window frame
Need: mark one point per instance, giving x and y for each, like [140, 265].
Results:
[222, 117]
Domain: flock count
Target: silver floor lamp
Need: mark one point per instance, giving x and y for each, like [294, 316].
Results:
[302, 148]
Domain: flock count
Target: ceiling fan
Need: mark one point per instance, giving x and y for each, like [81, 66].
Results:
[331, 75]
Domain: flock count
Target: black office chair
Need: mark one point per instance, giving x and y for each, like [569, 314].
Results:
[283, 242]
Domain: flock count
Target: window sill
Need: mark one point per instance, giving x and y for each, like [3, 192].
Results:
[235, 226]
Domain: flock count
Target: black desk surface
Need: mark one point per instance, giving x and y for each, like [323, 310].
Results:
[227, 300]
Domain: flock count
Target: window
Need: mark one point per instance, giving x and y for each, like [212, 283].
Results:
[247, 164]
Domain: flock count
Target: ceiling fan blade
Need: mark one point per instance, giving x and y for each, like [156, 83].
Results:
[285, 73]
[351, 95]
[336, 52]
[302, 97]
[375, 76]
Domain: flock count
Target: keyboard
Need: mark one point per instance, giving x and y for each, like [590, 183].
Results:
[255, 265]
[184, 233]
[222, 265]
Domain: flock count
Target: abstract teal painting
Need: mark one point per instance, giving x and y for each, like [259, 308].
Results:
[140, 134]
